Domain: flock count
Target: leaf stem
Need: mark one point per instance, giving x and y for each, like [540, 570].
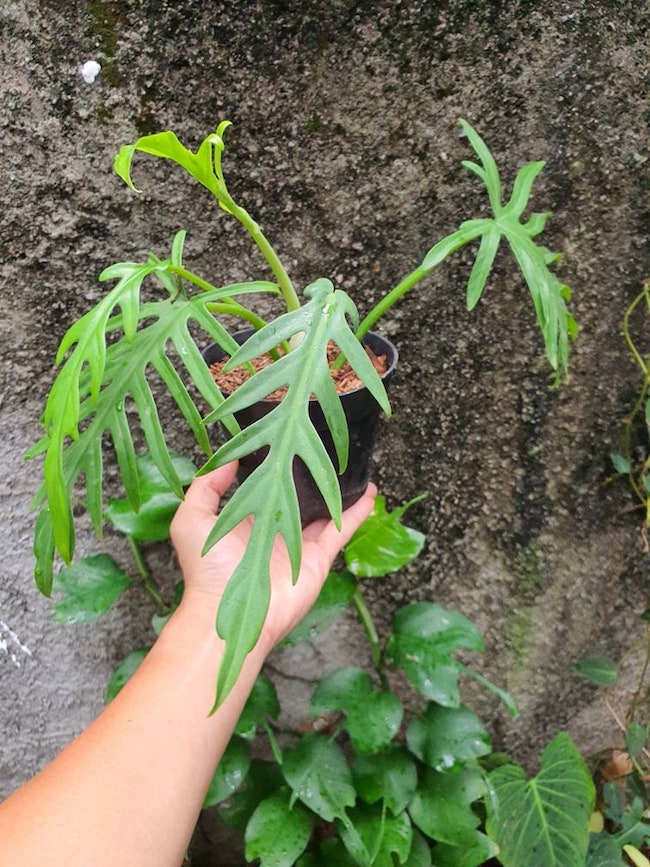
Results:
[147, 580]
[371, 633]
[391, 298]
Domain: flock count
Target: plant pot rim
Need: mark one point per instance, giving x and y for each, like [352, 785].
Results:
[370, 337]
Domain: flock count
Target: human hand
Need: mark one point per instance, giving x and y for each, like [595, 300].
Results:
[206, 576]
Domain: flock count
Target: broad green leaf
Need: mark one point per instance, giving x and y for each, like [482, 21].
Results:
[289, 433]
[597, 669]
[389, 775]
[278, 833]
[261, 703]
[604, 851]
[262, 779]
[107, 364]
[372, 717]
[125, 670]
[88, 588]
[479, 850]
[331, 853]
[424, 640]
[333, 599]
[446, 738]
[230, 773]
[382, 544]
[320, 777]
[383, 837]
[158, 503]
[543, 822]
[442, 805]
[420, 854]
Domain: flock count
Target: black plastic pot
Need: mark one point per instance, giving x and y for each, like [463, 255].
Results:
[362, 413]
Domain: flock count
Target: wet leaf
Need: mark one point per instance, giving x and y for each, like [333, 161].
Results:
[372, 717]
[442, 805]
[333, 599]
[262, 779]
[382, 836]
[230, 773]
[445, 738]
[278, 833]
[319, 775]
[389, 775]
[88, 588]
[382, 544]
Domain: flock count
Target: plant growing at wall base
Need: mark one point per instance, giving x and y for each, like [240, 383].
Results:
[107, 357]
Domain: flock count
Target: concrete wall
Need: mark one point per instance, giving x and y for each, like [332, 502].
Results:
[346, 149]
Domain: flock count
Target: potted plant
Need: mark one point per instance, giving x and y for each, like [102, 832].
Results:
[107, 354]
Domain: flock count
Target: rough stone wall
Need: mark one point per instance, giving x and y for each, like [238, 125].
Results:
[346, 149]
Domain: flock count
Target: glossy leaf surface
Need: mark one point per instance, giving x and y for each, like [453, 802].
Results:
[542, 822]
[389, 775]
[383, 544]
[442, 806]
[230, 773]
[263, 778]
[446, 738]
[278, 833]
[383, 837]
[372, 717]
[318, 774]
[424, 640]
[260, 704]
[88, 588]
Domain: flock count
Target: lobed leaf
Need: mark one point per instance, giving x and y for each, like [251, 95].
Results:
[373, 717]
[263, 778]
[442, 805]
[382, 544]
[288, 432]
[389, 775]
[424, 640]
[446, 738]
[378, 839]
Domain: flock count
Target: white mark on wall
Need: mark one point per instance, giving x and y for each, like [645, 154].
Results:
[90, 70]
[11, 645]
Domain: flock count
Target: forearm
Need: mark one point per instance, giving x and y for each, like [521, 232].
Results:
[128, 791]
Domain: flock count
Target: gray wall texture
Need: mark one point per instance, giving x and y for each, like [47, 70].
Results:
[346, 149]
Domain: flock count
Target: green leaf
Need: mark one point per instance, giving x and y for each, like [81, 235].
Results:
[261, 703]
[289, 433]
[445, 738]
[230, 773]
[382, 837]
[159, 621]
[635, 738]
[389, 775]
[597, 669]
[604, 851]
[442, 806]
[158, 503]
[382, 544]
[262, 780]
[373, 717]
[125, 670]
[319, 775]
[88, 588]
[522, 187]
[108, 361]
[333, 599]
[479, 850]
[489, 173]
[420, 854]
[424, 639]
[620, 463]
[542, 822]
[278, 832]
[482, 266]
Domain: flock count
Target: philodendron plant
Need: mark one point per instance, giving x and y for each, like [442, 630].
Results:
[109, 353]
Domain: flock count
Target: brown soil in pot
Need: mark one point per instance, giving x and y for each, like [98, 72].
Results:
[345, 379]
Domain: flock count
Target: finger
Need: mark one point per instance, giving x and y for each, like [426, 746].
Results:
[204, 494]
[332, 540]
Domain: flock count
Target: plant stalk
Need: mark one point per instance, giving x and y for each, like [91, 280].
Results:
[391, 298]
[148, 582]
[371, 633]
